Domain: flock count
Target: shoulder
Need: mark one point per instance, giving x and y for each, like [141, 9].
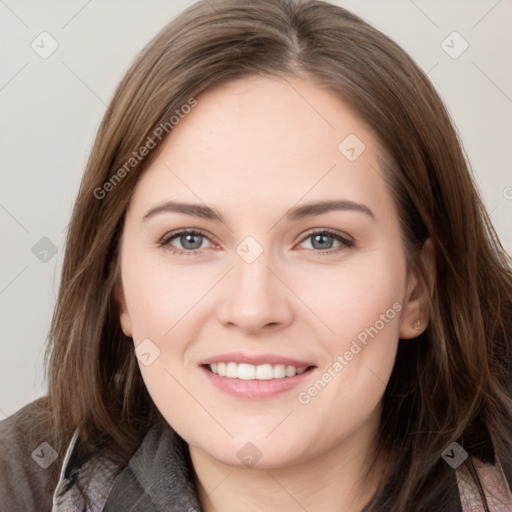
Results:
[30, 459]
[492, 481]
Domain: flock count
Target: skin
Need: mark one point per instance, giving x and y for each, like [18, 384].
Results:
[252, 150]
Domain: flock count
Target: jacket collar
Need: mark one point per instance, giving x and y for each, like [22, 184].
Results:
[158, 478]
[96, 475]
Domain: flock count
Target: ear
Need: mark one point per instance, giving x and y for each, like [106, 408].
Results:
[415, 314]
[118, 294]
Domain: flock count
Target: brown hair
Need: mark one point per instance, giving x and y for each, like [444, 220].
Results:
[454, 382]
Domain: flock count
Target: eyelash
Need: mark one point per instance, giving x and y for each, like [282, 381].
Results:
[345, 241]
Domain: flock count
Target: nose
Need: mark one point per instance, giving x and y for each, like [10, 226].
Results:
[255, 299]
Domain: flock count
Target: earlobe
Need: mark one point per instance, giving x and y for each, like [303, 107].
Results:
[126, 325]
[415, 314]
[124, 317]
[118, 294]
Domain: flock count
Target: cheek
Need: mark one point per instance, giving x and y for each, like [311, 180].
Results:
[359, 307]
[160, 302]
[159, 297]
[351, 297]
[164, 302]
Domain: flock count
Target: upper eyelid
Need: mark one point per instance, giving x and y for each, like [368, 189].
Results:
[329, 231]
[187, 231]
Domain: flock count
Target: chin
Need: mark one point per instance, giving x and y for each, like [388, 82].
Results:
[259, 454]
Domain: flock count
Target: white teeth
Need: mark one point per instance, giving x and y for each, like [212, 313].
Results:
[264, 372]
[290, 371]
[246, 371]
[231, 370]
[279, 371]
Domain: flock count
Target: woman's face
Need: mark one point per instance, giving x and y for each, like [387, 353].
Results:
[293, 259]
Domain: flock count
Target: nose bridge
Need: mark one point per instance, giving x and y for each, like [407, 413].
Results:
[256, 298]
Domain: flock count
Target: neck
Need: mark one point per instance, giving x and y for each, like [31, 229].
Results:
[344, 477]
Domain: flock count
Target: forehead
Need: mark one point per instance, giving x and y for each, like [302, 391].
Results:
[273, 141]
[289, 117]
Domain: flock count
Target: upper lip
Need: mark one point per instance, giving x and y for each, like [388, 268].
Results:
[255, 359]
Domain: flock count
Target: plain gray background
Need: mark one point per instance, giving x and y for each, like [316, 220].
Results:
[51, 108]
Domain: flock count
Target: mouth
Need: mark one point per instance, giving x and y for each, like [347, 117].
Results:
[246, 371]
[255, 382]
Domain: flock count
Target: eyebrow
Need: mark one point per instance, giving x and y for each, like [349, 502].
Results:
[294, 214]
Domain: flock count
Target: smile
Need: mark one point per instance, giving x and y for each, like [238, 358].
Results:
[247, 381]
[245, 371]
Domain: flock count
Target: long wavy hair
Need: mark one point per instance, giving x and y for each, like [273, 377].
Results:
[452, 383]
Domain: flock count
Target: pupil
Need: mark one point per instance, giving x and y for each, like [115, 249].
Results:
[322, 239]
[189, 239]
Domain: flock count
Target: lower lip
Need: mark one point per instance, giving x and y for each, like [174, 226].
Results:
[256, 388]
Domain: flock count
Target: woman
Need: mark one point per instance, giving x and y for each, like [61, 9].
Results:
[281, 290]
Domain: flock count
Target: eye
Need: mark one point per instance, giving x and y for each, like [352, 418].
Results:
[324, 241]
[188, 241]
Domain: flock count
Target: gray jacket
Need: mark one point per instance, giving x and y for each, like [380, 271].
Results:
[158, 478]
[35, 477]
